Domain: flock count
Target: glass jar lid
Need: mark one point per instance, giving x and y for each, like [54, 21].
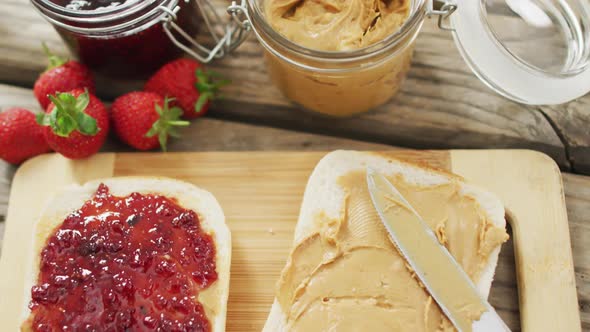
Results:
[532, 51]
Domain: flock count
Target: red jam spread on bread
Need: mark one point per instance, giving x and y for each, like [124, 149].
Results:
[134, 263]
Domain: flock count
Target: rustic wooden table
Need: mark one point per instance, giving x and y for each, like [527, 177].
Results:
[441, 105]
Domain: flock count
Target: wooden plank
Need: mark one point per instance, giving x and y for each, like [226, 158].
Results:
[441, 105]
[571, 122]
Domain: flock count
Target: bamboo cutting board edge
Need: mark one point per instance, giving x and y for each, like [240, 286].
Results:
[541, 233]
[530, 185]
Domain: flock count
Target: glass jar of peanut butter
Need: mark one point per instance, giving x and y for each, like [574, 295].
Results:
[337, 58]
[343, 57]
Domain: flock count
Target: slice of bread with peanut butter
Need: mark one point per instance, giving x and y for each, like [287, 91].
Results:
[344, 274]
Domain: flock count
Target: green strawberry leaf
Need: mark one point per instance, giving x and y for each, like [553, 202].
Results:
[202, 77]
[82, 101]
[159, 110]
[54, 60]
[179, 123]
[56, 101]
[153, 131]
[67, 99]
[86, 124]
[64, 125]
[175, 113]
[53, 120]
[167, 123]
[42, 119]
[208, 84]
[163, 139]
[203, 99]
[173, 132]
[68, 115]
[203, 86]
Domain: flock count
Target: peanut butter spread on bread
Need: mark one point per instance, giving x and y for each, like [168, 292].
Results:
[348, 276]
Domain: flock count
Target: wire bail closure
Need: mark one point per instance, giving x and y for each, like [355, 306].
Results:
[239, 14]
[443, 9]
[230, 35]
[226, 36]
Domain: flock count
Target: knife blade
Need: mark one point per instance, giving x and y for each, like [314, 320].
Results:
[436, 268]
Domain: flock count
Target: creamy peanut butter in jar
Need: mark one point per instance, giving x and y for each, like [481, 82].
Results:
[342, 57]
[337, 57]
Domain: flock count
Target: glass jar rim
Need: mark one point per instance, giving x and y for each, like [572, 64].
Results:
[128, 5]
[419, 9]
[107, 20]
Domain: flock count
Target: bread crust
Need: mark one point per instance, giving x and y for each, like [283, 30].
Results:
[324, 195]
[211, 217]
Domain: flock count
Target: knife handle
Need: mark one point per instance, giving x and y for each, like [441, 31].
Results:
[490, 322]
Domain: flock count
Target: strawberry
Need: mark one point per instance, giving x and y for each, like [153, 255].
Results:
[76, 124]
[20, 136]
[191, 87]
[61, 76]
[144, 120]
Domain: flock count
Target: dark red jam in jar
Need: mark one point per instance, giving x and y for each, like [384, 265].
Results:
[120, 38]
[134, 263]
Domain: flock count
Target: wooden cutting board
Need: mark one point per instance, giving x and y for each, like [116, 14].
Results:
[261, 192]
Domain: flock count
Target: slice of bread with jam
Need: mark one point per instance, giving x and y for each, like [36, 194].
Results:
[126, 254]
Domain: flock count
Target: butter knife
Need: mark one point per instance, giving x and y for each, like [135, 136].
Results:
[442, 276]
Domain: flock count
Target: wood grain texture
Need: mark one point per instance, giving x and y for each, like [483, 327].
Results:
[262, 232]
[530, 186]
[577, 198]
[441, 105]
[571, 122]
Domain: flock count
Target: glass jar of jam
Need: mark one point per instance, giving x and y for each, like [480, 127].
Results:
[122, 38]
[346, 57]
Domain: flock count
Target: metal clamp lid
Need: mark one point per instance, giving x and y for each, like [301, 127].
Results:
[227, 36]
[443, 9]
